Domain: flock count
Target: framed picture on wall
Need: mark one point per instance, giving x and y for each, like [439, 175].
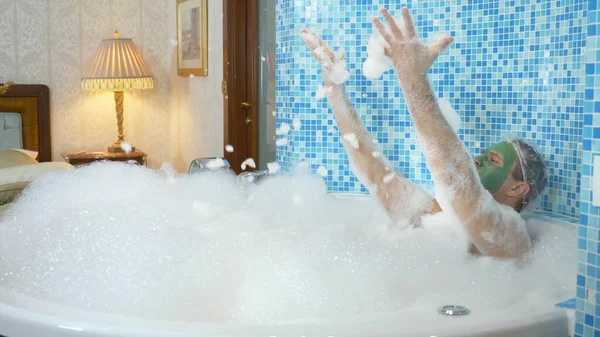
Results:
[192, 37]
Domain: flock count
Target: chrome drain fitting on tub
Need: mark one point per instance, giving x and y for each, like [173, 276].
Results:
[453, 310]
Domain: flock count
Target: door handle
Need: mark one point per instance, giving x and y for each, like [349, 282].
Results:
[245, 105]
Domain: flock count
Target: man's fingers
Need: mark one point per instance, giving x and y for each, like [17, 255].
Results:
[387, 36]
[311, 39]
[438, 47]
[408, 23]
[315, 44]
[387, 52]
[340, 54]
[322, 57]
[392, 23]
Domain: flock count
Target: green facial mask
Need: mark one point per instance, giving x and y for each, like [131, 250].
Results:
[493, 176]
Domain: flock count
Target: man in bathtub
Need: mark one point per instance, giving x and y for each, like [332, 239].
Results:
[486, 193]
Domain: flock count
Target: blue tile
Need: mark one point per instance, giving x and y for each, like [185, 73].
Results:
[581, 280]
[589, 320]
[493, 88]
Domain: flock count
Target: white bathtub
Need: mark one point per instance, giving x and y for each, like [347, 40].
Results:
[25, 317]
[20, 317]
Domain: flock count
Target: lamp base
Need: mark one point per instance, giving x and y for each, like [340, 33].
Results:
[116, 148]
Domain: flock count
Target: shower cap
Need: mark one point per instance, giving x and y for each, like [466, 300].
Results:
[533, 169]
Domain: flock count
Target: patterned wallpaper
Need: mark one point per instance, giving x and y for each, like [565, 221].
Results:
[53, 42]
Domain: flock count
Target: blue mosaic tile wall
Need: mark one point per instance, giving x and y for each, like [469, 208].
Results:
[587, 314]
[516, 67]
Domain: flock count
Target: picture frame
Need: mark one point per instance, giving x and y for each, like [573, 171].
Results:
[192, 37]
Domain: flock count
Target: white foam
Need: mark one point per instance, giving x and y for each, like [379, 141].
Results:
[334, 71]
[229, 148]
[351, 139]
[120, 238]
[338, 73]
[169, 171]
[284, 129]
[273, 167]
[376, 62]
[322, 92]
[297, 124]
[389, 177]
[488, 237]
[450, 114]
[298, 200]
[126, 147]
[248, 162]
[322, 171]
[281, 142]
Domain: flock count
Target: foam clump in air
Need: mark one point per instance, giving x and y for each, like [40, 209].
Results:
[377, 62]
[248, 162]
[297, 124]
[284, 129]
[124, 239]
[229, 148]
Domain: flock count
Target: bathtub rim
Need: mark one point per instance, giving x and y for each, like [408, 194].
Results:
[43, 316]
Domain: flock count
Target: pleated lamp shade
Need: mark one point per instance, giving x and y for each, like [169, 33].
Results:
[119, 65]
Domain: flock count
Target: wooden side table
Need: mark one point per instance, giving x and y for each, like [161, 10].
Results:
[83, 158]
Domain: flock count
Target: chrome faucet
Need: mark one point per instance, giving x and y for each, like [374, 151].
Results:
[252, 177]
[208, 164]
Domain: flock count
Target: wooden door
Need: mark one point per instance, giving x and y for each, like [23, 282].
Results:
[240, 80]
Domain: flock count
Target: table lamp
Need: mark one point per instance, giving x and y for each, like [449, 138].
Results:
[118, 66]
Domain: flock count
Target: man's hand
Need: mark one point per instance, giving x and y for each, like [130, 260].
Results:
[333, 64]
[410, 57]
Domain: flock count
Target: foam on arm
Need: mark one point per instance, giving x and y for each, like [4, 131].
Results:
[401, 198]
[454, 174]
